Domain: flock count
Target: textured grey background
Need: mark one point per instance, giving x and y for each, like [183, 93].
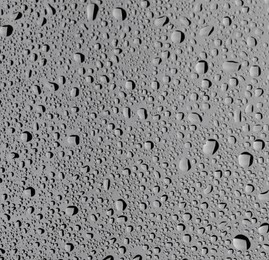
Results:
[134, 129]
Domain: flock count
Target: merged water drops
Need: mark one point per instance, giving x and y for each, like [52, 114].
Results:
[231, 66]
[6, 30]
[92, 11]
[161, 21]
[241, 243]
[201, 67]
[26, 136]
[245, 159]
[184, 164]
[29, 192]
[177, 36]
[210, 147]
[71, 210]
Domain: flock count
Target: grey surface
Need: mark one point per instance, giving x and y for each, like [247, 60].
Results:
[134, 129]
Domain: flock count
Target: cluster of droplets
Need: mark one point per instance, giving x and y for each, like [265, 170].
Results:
[134, 129]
